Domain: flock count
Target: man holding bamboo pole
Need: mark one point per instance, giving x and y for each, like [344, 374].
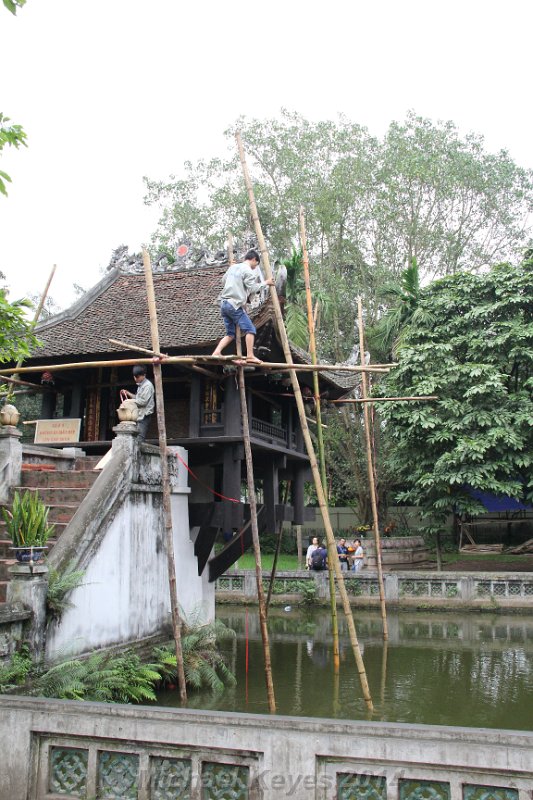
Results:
[240, 281]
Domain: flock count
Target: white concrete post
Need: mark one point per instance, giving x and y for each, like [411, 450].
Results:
[28, 587]
[10, 460]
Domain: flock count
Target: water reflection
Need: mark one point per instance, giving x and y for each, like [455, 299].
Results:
[436, 668]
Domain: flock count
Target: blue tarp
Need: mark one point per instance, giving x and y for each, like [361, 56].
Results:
[498, 503]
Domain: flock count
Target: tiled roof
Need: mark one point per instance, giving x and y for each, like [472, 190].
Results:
[187, 312]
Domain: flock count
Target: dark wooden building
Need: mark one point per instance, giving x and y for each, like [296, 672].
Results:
[202, 412]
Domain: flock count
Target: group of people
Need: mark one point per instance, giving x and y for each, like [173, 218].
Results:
[351, 557]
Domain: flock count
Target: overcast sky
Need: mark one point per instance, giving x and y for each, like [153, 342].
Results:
[110, 91]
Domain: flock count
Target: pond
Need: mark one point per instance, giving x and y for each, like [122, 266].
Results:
[466, 669]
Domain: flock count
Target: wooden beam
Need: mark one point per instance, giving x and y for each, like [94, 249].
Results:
[165, 479]
[371, 481]
[332, 549]
[188, 361]
[255, 531]
[305, 431]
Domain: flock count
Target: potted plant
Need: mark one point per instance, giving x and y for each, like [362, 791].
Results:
[27, 526]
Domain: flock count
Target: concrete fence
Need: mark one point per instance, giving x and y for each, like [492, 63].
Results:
[64, 750]
[435, 589]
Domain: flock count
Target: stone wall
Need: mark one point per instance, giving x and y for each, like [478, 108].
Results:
[117, 539]
[65, 749]
[408, 589]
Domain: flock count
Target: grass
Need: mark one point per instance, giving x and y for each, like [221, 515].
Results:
[286, 563]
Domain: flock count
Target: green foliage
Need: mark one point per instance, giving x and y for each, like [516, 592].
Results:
[13, 5]
[27, 522]
[403, 296]
[16, 673]
[59, 585]
[102, 677]
[372, 204]
[475, 351]
[12, 135]
[16, 336]
[203, 662]
[309, 591]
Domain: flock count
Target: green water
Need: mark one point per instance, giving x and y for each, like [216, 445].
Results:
[443, 669]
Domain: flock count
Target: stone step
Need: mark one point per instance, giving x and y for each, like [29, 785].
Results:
[74, 478]
[51, 495]
[87, 462]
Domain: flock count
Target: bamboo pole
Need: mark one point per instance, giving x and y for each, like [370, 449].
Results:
[39, 309]
[305, 430]
[35, 386]
[167, 511]
[255, 530]
[371, 481]
[384, 399]
[277, 550]
[332, 549]
[189, 360]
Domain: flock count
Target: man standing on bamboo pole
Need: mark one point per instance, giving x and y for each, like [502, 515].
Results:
[240, 281]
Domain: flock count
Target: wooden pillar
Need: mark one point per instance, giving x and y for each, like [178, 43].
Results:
[298, 495]
[232, 408]
[48, 405]
[231, 484]
[271, 494]
[76, 401]
[195, 407]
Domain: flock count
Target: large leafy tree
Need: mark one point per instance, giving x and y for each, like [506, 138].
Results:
[474, 349]
[372, 204]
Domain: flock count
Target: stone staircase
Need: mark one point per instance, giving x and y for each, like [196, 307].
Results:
[60, 489]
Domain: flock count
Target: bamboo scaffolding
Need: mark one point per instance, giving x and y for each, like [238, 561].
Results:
[255, 530]
[332, 549]
[188, 361]
[305, 430]
[167, 511]
[35, 386]
[384, 399]
[371, 481]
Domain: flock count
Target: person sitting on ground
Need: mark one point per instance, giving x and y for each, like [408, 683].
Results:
[310, 550]
[342, 550]
[240, 281]
[358, 556]
[319, 558]
[144, 398]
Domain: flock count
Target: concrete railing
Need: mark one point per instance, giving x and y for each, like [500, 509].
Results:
[473, 589]
[65, 749]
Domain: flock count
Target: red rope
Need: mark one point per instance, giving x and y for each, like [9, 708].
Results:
[196, 478]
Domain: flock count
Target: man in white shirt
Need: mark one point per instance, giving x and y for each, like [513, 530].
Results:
[310, 550]
[144, 398]
[240, 281]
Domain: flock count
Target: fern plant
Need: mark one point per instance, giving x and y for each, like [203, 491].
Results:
[59, 585]
[16, 673]
[203, 663]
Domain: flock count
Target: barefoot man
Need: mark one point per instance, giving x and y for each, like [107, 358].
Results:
[240, 281]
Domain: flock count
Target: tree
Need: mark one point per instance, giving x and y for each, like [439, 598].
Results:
[372, 205]
[16, 330]
[12, 135]
[475, 351]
